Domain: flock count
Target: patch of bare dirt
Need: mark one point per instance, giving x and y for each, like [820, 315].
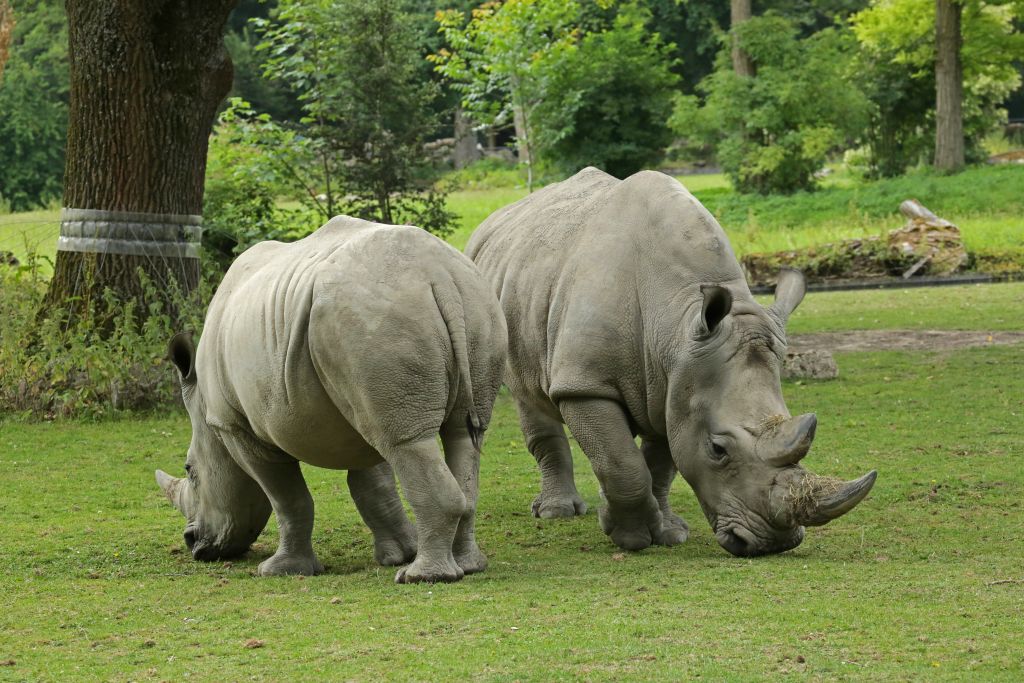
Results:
[900, 340]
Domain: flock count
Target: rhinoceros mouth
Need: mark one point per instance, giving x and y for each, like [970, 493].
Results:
[737, 540]
[742, 542]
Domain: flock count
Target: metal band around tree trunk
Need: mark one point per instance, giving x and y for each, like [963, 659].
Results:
[136, 234]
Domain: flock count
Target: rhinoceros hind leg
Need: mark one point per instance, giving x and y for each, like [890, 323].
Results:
[464, 462]
[376, 498]
[280, 477]
[675, 530]
[632, 517]
[439, 505]
[545, 439]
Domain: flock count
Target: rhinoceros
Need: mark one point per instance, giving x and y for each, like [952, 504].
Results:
[628, 315]
[350, 349]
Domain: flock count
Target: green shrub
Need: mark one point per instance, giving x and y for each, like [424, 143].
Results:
[492, 173]
[608, 105]
[252, 164]
[92, 369]
[774, 131]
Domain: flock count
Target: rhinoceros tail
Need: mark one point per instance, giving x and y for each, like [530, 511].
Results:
[450, 305]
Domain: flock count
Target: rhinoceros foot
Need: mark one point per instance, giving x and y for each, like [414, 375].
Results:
[392, 552]
[552, 506]
[633, 529]
[430, 572]
[472, 560]
[281, 564]
[674, 530]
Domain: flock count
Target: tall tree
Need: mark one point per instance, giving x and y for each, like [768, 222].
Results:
[739, 12]
[147, 77]
[949, 87]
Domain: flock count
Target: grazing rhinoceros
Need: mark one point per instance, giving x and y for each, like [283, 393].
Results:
[350, 349]
[629, 315]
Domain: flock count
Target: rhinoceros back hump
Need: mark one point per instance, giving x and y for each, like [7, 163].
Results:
[592, 273]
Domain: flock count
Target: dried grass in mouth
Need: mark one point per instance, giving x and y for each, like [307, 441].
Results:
[804, 494]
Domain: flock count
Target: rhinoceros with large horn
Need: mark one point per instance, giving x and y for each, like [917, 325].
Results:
[629, 315]
[350, 349]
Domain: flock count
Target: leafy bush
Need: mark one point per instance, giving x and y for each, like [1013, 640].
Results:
[773, 131]
[94, 368]
[608, 103]
[252, 164]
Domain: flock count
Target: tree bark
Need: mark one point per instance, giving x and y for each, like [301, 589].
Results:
[522, 135]
[465, 151]
[6, 31]
[739, 12]
[147, 77]
[949, 87]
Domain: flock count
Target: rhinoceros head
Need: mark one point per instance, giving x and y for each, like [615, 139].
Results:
[225, 509]
[731, 435]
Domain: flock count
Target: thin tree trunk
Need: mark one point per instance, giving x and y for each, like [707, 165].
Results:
[465, 151]
[522, 138]
[147, 77]
[6, 31]
[739, 11]
[949, 87]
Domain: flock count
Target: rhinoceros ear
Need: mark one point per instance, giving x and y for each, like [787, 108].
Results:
[182, 353]
[717, 304]
[789, 292]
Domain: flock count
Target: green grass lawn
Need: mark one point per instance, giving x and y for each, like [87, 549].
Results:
[923, 581]
[31, 232]
[967, 307]
[987, 203]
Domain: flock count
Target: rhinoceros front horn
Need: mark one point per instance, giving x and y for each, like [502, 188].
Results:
[173, 489]
[816, 500]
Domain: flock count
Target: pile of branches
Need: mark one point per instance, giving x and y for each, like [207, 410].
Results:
[926, 245]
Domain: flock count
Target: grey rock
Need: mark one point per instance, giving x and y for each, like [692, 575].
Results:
[810, 365]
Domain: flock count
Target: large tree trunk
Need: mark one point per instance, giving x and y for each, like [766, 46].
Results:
[949, 87]
[6, 30]
[466, 151]
[147, 77]
[739, 11]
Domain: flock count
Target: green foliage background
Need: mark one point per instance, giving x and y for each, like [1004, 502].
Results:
[34, 107]
[773, 131]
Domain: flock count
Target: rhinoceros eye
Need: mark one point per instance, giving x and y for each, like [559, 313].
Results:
[718, 450]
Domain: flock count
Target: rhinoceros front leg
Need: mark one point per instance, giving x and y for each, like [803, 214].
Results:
[675, 530]
[376, 498]
[633, 516]
[464, 462]
[280, 477]
[439, 505]
[545, 439]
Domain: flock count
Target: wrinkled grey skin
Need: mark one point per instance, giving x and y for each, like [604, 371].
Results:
[628, 315]
[350, 349]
